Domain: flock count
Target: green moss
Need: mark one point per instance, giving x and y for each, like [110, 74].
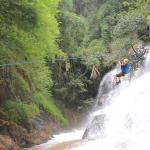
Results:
[20, 112]
[48, 105]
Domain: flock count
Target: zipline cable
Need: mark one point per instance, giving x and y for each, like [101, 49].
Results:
[37, 62]
[52, 61]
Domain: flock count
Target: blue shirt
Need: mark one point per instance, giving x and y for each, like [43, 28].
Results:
[125, 68]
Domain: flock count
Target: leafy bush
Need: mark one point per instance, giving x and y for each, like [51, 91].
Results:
[20, 112]
[73, 94]
[48, 105]
[72, 31]
[129, 25]
[28, 30]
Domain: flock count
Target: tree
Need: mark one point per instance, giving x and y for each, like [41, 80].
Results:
[72, 31]
[28, 30]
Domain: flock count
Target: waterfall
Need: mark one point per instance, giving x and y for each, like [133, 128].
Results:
[127, 116]
[122, 117]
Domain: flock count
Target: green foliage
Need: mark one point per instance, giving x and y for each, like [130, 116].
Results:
[97, 30]
[100, 32]
[129, 30]
[138, 6]
[72, 31]
[47, 104]
[106, 31]
[28, 30]
[66, 5]
[86, 7]
[129, 25]
[18, 12]
[110, 8]
[97, 45]
[74, 94]
[88, 31]
[75, 87]
[19, 112]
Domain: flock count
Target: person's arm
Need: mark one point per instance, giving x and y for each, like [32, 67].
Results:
[120, 63]
[122, 66]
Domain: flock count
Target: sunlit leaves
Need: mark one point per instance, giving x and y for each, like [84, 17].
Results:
[28, 30]
[129, 24]
[72, 31]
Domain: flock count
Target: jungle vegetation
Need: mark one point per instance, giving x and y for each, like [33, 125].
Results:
[63, 41]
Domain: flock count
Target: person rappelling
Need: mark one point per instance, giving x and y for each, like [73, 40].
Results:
[125, 69]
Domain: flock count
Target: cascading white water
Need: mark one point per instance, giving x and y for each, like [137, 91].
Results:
[127, 117]
[127, 123]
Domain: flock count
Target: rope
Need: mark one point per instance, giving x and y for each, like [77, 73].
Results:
[19, 63]
[51, 61]
[48, 61]
[36, 62]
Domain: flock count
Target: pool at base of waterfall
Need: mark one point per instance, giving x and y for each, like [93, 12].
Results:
[63, 141]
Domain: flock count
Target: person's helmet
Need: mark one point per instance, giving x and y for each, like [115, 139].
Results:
[126, 61]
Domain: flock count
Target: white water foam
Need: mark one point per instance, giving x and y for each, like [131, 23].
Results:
[60, 138]
[127, 125]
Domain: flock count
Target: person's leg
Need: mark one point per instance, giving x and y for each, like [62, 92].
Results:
[118, 76]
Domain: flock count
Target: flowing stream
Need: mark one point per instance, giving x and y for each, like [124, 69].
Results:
[127, 119]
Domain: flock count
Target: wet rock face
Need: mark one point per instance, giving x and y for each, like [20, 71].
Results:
[6, 143]
[37, 131]
[96, 128]
[105, 87]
